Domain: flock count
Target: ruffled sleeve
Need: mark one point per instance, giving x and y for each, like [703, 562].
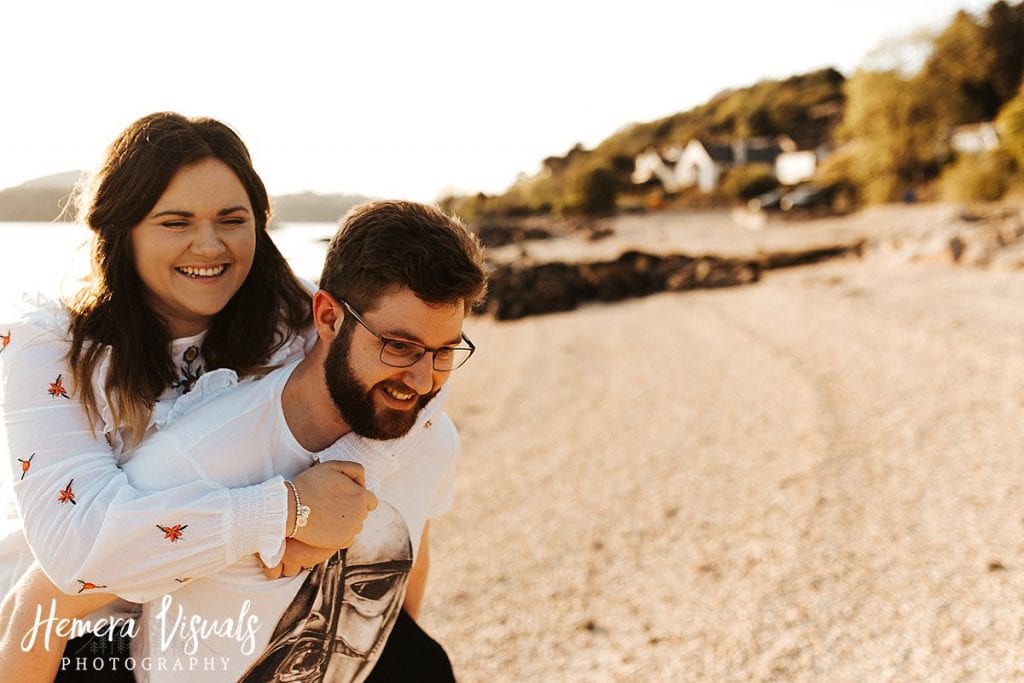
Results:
[89, 528]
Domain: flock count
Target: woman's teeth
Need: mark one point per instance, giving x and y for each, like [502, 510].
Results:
[202, 272]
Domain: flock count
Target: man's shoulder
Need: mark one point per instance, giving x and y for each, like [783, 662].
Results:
[439, 443]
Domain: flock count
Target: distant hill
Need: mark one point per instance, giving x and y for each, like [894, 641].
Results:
[39, 199]
[806, 108]
[65, 180]
[44, 199]
[310, 207]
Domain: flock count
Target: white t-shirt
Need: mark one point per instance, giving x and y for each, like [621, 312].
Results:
[332, 620]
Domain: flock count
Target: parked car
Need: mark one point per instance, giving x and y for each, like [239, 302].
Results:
[768, 200]
[806, 197]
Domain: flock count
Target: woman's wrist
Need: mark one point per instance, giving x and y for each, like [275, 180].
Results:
[301, 512]
[289, 523]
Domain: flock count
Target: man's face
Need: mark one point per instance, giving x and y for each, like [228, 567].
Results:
[376, 400]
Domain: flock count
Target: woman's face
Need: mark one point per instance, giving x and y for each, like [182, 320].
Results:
[195, 248]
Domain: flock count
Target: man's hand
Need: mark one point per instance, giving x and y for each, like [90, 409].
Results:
[338, 502]
[298, 556]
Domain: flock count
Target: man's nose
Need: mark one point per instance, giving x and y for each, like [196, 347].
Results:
[207, 242]
[420, 375]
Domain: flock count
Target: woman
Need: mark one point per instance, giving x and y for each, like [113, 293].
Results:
[185, 279]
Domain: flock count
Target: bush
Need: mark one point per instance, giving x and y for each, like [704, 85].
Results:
[590, 190]
[1011, 127]
[748, 181]
[977, 177]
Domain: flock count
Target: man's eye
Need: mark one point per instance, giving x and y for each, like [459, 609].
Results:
[444, 353]
[400, 347]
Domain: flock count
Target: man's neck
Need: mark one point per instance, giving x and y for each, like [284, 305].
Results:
[308, 408]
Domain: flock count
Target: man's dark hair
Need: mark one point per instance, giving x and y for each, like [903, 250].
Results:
[384, 245]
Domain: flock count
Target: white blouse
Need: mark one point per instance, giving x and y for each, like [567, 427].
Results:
[65, 488]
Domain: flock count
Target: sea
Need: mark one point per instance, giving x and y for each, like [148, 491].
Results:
[50, 259]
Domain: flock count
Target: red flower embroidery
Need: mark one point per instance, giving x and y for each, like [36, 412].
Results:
[57, 388]
[5, 339]
[88, 586]
[173, 533]
[25, 464]
[67, 495]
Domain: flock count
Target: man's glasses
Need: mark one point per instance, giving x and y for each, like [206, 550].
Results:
[399, 353]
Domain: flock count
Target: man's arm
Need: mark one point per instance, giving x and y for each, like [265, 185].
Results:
[24, 655]
[417, 583]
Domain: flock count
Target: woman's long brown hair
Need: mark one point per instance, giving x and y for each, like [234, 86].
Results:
[112, 310]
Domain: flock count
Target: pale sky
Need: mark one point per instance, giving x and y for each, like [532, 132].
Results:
[403, 99]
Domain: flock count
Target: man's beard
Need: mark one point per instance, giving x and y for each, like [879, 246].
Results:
[355, 402]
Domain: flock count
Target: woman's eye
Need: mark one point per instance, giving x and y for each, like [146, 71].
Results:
[175, 224]
[233, 222]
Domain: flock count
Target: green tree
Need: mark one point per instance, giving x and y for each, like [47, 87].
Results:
[961, 64]
[897, 128]
[1004, 32]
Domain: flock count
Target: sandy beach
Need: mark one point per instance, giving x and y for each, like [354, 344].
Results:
[817, 477]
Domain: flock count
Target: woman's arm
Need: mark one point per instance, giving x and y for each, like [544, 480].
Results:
[88, 527]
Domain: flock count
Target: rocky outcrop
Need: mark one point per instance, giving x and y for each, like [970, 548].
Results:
[521, 289]
[990, 238]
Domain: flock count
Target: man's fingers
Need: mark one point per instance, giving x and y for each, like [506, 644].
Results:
[370, 500]
[352, 470]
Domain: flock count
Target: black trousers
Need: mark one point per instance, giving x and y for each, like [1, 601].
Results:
[409, 655]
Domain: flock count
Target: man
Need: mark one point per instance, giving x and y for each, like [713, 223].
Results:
[398, 280]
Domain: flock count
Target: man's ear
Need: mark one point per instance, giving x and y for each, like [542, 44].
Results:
[328, 315]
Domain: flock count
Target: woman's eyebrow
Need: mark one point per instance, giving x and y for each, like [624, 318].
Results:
[189, 214]
[173, 212]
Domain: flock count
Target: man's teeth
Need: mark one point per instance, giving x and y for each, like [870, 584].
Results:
[401, 396]
[201, 272]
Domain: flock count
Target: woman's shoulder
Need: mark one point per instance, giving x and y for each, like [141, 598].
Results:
[38, 319]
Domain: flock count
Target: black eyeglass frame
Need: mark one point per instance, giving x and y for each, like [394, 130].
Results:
[423, 349]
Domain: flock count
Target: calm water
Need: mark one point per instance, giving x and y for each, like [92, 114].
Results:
[50, 258]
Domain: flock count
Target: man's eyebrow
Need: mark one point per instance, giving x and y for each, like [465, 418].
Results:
[409, 336]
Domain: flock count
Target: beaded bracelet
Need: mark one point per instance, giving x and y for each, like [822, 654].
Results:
[301, 511]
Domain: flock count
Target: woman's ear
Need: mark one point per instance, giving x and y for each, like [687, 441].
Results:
[328, 315]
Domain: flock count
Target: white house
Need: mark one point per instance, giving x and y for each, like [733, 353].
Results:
[975, 138]
[700, 163]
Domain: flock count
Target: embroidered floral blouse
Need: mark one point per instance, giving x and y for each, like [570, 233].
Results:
[82, 518]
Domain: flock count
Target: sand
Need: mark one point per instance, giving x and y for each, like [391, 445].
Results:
[815, 478]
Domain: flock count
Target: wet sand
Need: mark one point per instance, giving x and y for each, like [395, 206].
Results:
[816, 477]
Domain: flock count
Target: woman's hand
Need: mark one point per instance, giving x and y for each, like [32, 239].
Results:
[338, 501]
[297, 557]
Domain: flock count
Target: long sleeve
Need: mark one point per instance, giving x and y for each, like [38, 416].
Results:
[87, 525]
